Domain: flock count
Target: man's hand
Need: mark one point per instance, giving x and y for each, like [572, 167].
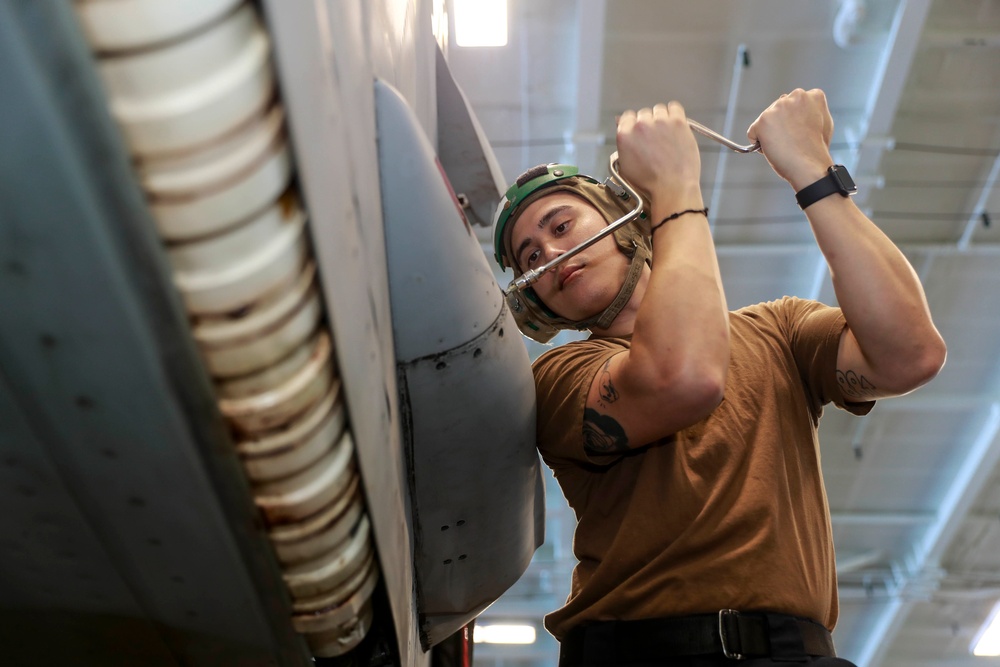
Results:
[657, 153]
[794, 135]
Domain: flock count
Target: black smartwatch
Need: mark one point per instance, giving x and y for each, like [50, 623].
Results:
[837, 180]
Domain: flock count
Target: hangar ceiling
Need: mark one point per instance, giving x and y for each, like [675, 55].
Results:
[914, 88]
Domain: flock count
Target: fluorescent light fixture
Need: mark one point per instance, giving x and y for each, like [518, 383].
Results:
[987, 642]
[503, 634]
[480, 22]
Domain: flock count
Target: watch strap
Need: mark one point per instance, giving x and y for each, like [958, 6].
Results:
[830, 184]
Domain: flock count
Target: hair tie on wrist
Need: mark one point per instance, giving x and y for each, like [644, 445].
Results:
[702, 211]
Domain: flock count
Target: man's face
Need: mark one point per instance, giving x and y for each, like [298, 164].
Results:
[583, 285]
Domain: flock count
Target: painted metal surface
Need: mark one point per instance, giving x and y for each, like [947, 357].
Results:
[326, 53]
[466, 389]
[464, 150]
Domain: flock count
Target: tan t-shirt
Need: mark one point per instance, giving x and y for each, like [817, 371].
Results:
[728, 513]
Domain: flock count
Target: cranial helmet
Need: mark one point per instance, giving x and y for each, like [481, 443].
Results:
[534, 318]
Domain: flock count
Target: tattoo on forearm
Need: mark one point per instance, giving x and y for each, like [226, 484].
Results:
[602, 434]
[854, 385]
[608, 392]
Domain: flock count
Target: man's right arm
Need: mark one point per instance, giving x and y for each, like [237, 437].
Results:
[675, 372]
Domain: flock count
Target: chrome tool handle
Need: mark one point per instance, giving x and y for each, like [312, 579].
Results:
[624, 190]
[621, 188]
[728, 143]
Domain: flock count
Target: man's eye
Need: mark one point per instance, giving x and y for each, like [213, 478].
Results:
[532, 257]
[561, 227]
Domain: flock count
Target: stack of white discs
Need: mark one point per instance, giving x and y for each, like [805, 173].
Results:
[191, 85]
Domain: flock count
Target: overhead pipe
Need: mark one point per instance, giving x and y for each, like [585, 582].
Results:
[727, 130]
[847, 24]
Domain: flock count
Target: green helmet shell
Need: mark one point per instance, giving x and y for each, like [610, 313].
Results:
[520, 191]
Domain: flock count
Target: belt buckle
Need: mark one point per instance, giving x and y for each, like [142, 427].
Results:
[723, 613]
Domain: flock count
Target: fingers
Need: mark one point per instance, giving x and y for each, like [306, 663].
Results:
[795, 132]
[670, 110]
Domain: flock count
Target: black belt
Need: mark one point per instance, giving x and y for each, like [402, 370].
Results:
[735, 635]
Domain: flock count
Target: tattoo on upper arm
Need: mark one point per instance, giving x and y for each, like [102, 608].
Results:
[607, 388]
[602, 434]
[853, 385]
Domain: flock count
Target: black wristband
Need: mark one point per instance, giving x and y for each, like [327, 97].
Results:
[674, 216]
[836, 181]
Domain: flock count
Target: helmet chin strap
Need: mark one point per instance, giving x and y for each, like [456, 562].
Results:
[640, 256]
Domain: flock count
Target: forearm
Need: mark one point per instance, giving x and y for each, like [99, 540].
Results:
[890, 334]
[680, 337]
[876, 287]
[682, 327]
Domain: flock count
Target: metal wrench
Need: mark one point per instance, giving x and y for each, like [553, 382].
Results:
[623, 189]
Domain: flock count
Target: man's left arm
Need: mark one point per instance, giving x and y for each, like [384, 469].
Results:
[890, 346]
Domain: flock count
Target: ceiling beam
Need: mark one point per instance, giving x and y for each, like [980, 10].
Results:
[977, 469]
[887, 86]
[960, 39]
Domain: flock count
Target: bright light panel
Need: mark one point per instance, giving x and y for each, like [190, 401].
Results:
[503, 634]
[988, 641]
[480, 22]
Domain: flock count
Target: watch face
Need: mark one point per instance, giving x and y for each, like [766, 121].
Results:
[847, 184]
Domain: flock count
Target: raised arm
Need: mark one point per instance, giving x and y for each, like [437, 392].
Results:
[675, 371]
[891, 345]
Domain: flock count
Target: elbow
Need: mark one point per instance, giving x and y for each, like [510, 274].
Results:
[697, 389]
[922, 365]
[708, 390]
[931, 359]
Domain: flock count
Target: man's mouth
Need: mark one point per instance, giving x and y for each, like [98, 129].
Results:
[568, 274]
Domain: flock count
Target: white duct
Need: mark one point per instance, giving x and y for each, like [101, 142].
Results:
[846, 26]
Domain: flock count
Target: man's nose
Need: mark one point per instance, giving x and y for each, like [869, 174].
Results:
[550, 250]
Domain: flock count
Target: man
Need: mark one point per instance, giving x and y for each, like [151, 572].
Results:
[684, 436]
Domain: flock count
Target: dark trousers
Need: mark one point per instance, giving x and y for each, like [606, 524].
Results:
[723, 661]
[760, 639]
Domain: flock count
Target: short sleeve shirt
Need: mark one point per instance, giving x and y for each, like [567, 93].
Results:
[730, 512]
